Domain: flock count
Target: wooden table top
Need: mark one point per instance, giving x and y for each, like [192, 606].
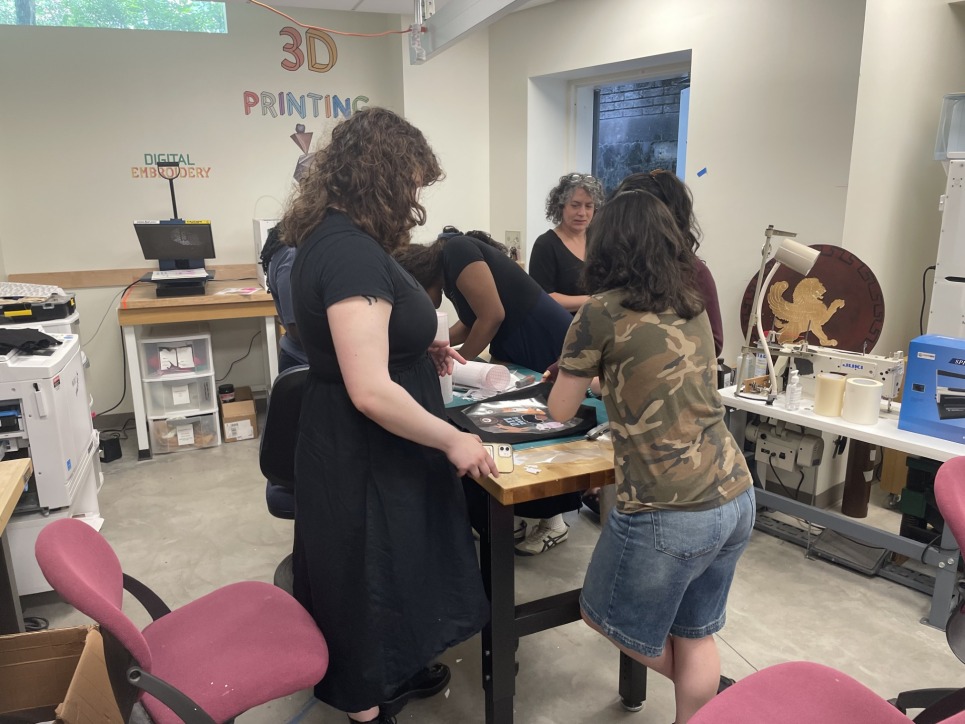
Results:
[592, 466]
[141, 305]
[14, 475]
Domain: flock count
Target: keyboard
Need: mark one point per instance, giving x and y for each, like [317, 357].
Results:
[18, 289]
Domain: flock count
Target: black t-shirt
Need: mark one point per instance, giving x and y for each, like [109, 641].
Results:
[517, 290]
[554, 267]
[339, 261]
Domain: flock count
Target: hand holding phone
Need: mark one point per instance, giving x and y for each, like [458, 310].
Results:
[502, 454]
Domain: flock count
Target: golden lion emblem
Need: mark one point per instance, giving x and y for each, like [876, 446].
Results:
[806, 313]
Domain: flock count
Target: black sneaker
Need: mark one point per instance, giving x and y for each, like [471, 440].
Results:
[725, 682]
[428, 682]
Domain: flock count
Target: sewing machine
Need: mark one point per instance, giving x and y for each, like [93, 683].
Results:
[811, 360]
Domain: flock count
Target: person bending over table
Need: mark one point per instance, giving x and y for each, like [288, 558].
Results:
[389, 568]
[658, 580]
[499, 305]
[557, 259]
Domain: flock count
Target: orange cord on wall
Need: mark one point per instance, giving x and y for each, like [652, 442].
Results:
[329, 30]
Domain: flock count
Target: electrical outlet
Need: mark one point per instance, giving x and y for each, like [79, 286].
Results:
[515, 245]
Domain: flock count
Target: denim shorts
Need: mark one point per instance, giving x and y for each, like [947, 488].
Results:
[665, 572]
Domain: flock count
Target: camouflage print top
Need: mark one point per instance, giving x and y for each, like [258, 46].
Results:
[658, 373]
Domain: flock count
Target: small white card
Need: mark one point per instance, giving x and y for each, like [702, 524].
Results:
[185, 434]
[180, 395]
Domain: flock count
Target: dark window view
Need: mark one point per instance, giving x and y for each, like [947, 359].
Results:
[636, 128]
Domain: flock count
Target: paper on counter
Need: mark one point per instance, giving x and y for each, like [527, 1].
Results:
[480, 375]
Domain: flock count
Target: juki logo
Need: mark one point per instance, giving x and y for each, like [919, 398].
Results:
[852, 366]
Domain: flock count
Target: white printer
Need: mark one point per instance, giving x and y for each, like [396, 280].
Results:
[45, 414]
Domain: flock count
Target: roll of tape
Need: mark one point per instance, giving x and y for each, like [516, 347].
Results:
[862, 401]
[829, 394]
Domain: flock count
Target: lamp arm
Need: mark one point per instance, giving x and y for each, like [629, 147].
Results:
[760, 327]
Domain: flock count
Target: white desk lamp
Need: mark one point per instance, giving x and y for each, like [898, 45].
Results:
[791, 254]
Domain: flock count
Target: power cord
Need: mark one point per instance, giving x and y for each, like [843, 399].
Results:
[250, 343]
[35, 623]
[110, 306]
[921, 314]
[123, 378]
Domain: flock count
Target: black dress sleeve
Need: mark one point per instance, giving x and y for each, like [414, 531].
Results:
[460, 252]
[355, 266]
[542, 265]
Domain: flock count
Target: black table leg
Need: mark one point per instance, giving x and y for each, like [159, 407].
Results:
[499, 636]
[633, 683]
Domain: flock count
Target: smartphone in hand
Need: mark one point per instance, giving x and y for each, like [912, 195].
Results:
[502, 454]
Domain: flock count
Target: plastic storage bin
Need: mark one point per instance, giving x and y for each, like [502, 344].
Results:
[167, 397]
[183, 350]
[950, 143]
[176, 434]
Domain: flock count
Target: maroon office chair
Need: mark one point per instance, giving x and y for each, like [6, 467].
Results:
[950, 497]
[801, 691]
[235, 648]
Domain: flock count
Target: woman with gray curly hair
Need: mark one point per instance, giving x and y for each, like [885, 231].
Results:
[557, 259]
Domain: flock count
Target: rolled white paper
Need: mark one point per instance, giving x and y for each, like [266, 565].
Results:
[442, 335]
[829, 394]
[862, 401]
[482, 376]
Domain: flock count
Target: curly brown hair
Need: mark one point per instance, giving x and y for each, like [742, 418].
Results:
[372, 170]
[560, 195]
[674, 193]
[634, 244]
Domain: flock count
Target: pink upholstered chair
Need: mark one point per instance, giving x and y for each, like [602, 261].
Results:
[801, 691]
[238, 647]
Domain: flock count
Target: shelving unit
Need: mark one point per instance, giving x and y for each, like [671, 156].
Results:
[180, 391]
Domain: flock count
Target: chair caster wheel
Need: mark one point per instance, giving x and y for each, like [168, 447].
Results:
[627, 706]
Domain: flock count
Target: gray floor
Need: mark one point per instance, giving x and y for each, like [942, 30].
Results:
[186, 523]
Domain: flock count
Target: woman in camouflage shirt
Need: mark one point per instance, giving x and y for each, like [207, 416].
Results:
[658, 581]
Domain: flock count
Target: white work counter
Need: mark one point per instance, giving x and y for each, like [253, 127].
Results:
[943, 557]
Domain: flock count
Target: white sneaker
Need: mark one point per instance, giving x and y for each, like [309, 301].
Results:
[541, 539]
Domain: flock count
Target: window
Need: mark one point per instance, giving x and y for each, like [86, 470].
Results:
[183, 15]
[639, 127]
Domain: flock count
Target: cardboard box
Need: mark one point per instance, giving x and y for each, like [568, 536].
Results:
[238, 419]
[57, 673]
[933, 400]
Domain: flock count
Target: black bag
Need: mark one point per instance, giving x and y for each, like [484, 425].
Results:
[520, 416]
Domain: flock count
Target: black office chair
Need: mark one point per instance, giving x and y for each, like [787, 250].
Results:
[277, 454]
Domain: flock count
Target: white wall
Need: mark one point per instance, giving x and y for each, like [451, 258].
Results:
[773, 96]
[81, 108]
[447, 99]
[914, 53]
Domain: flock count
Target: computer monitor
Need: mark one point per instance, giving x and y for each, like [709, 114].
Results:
[176, 244]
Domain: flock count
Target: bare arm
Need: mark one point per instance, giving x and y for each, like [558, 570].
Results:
[360, 333]
[458, 333]
[569, 302]
[567, 394]
[479, 288]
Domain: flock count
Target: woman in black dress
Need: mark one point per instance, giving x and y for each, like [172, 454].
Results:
[388, 567]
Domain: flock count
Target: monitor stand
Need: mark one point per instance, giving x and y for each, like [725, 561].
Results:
[181, 287]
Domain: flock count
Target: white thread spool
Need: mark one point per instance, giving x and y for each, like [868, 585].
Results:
[442, 335]
[862, 401]
[829, 394]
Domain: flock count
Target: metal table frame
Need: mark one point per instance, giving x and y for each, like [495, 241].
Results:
[944, 558]
[509, 622]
